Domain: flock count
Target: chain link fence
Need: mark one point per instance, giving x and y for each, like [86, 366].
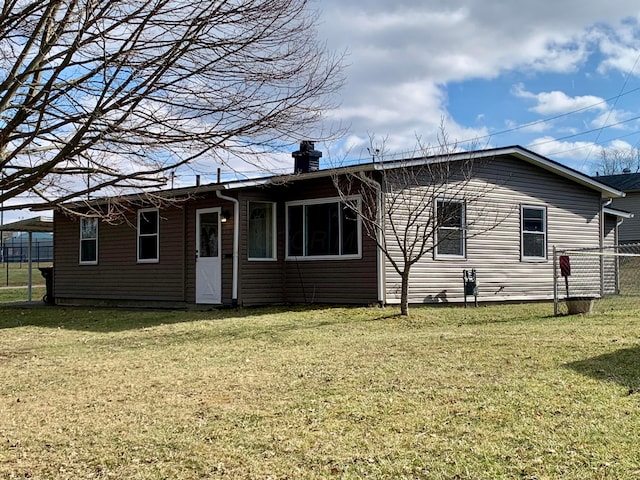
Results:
[596, 279]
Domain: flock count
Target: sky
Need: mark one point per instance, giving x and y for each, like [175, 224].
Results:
[561, 78]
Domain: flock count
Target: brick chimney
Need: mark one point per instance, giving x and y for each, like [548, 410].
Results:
[307, 159]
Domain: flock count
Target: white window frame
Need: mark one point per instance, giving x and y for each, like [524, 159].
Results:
[527, 258]
[274, 232]
[156, 234]
[321, 201]
[462, 228]
[83, 239]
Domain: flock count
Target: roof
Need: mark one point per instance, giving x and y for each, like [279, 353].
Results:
[627, 182]
[606, 191]
[593, 183]
[36, 224]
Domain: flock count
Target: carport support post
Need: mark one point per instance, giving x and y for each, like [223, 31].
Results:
[29, 273]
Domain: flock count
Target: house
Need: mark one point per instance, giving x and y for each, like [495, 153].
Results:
[290, 239]
[630, 184]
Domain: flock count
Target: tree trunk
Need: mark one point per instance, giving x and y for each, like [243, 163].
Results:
[404, 294]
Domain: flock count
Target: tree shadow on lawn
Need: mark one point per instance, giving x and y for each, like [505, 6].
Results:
[621, 366]
[104, 320]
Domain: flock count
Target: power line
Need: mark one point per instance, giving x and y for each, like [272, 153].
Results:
[624, 84]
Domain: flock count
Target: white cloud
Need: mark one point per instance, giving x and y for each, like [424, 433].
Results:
[404, 55]
[616, 119]
[580, 155]
[557, 102]
[620, 47]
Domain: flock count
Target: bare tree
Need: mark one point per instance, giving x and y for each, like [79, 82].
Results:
[614, 161]
[413, 208]
[106, 95]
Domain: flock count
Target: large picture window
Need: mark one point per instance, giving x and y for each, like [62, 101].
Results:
[262, 231]
[148, 235]
[323, 229]
[534, 233]
[89, 241]
[450, 238]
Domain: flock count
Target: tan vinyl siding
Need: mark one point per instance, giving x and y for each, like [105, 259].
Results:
[572, 214]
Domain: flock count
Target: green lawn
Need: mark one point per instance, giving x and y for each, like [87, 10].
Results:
[17, 274]
[20, 294]
[450, 393]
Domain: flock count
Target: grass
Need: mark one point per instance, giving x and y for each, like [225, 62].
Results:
[20, 294]
[17, 274]
[450, 393]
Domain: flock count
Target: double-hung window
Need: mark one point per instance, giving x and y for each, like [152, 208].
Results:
[534, 233]
[148, 235]
[89, 240]
[322, 229]
[450, 229]
[262, 231]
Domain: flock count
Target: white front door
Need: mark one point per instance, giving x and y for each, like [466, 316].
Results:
[208, 265]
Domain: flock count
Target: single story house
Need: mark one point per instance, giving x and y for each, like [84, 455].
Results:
[290, 239]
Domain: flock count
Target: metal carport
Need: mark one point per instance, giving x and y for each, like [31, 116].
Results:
[29, 225]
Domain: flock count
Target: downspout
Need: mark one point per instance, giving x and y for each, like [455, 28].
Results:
[236, 244]
[379, 233]
[617, 259]
[603, 205]
[603, 221]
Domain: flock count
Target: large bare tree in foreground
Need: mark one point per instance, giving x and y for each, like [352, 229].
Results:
[423, 206]
[105, 95]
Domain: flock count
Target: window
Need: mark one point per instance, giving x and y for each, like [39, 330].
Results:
[89, 241]
[323, 229]
[449, 229]
[148, 235]
[534, 233]
[262, 231]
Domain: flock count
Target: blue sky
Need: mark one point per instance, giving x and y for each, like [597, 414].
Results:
[561, 78]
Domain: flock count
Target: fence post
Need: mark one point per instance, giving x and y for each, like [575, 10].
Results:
[601, 271]
[555, 282]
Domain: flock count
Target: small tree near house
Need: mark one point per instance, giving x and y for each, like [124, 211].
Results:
[427, 206]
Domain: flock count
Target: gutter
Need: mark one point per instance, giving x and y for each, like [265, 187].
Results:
[236, 244]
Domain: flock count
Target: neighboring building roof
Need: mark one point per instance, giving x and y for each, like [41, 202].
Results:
[627, 182]
[36, 224]
[606, 190]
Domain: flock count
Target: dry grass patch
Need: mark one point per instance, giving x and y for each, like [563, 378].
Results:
[497, 392]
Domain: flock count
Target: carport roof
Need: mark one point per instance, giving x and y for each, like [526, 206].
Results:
[35, 224]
